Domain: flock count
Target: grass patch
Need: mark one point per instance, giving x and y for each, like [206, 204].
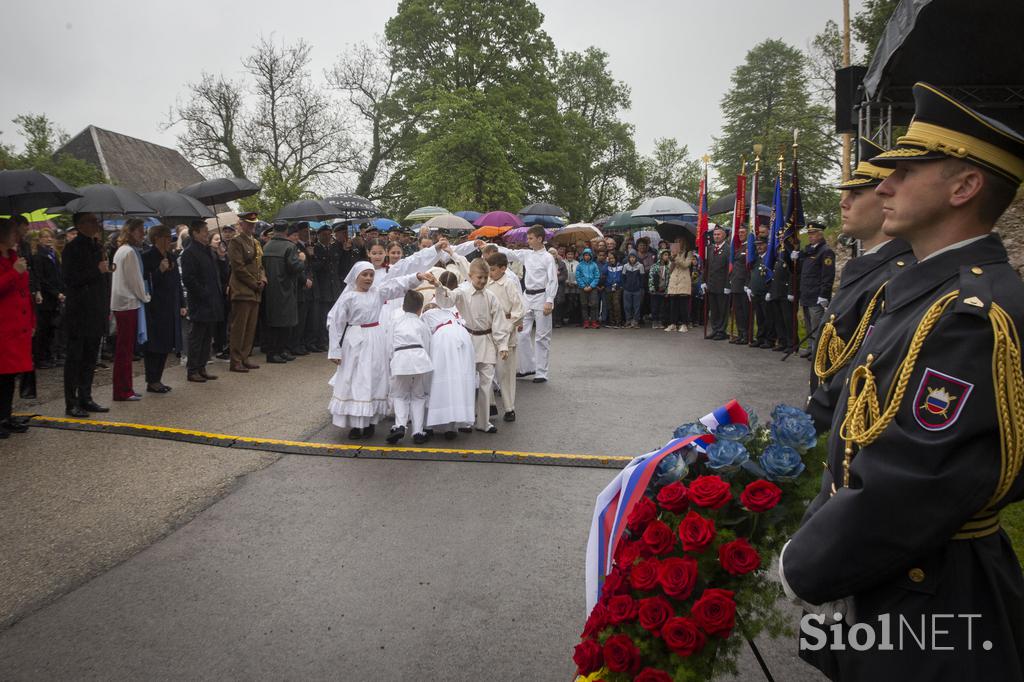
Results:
[1013, 524]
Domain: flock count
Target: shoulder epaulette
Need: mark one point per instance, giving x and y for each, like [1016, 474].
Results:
[975, 292]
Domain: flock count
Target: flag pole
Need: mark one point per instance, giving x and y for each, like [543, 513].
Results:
[703, 251]
[737, 222]
[794, 279]
[752, 236]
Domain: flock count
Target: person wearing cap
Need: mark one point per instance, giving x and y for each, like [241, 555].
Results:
[284, 263]
[298, 342]
[844, 324]
[246, 285]
[926, 444]
[204, 297]
[326, 284]
[817, 268]
[755, 291]
[780, 297]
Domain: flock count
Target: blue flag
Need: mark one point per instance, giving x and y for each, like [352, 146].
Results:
[775, 233]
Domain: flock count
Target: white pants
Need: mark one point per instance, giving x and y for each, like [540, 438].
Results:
[409, 394]
[533, 355]
[484, 394]
[505, 377]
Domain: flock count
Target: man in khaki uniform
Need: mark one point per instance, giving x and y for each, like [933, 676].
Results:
[246, 288]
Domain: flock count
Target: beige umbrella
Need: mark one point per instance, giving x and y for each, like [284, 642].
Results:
[570, 234]
[449, 221]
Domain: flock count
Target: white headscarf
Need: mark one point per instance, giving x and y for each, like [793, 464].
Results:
[361, 266]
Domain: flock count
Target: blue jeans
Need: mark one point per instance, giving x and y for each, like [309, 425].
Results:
[632, 300]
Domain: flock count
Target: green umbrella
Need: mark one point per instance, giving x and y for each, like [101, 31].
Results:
[625, 221]
[424, 213]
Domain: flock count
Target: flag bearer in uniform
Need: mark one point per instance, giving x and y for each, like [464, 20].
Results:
[817, 266]
[927, 440]
[506, 288]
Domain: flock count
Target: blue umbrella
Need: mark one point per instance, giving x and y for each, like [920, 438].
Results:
[469, 215]
[551, 221]
[384, 224]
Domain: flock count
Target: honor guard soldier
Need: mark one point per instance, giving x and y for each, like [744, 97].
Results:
[817, 266]
[852, 310]
[928, 438]
[780, 296]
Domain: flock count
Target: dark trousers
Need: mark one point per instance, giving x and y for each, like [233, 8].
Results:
[313, 326]
[659, 308]
[741, 313]
[42, 342]
[678, 309]
[782, 317]
[297, 337]
[6, 395]
[718, 312]
[124, 352]
[615, 306]
[155, 367]
[322, 309]
[275, 339]
[200, 338]
[79, 368]
[765, 329]
[589, 305]
[572, 306]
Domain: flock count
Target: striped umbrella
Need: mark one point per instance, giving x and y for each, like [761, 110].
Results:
[425, 213]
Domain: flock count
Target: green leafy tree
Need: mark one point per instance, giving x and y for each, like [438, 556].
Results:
[42, 140]
[869, 24]
[669, 171]
[770, 98]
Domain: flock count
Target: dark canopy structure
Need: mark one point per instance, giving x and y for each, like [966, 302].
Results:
[972, 50]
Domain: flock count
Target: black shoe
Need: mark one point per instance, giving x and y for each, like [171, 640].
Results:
[510, 416]
[368, 431]
[524, 374]
[287, 357]
[720, 337]
[465, 429]
[223, 355]
[44, 365]
[298, 352]
[742, 342]
[275, 360]
[494, 410]
[91, 406]
[490, 429]
[779, 349]
[76, 412]
[397, 434]
[419, 438]
[540, 380]
[450, 435]
[355, 434]
[197, 378]
[206, 375]
[765, 344]
[13, 426]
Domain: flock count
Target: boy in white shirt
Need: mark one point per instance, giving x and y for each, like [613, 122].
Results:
[409, 348]
[506, 288]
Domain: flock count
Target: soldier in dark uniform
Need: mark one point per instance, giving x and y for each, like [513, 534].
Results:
[817, 267]
[718, 282]
[756, 291]
[847, 318]
[926, 445]
[298, 233]
[738, 279]
[326, 285]
[780, 298]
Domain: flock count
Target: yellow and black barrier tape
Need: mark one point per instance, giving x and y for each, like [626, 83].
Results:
[349, 450]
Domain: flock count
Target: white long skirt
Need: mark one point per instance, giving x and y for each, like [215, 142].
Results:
[453, 384]
[360, 383]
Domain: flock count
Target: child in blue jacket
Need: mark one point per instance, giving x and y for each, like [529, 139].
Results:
[588, 277]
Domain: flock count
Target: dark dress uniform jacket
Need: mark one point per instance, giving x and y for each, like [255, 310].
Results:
[781, 282]
[324, 265]
[740, 276]
[887, 539]
[758, 282]
[282, 265]
[817, 266]
[201, 275]
[165, 303]
[860, 280]
[47, 278]
[718, 268]
[87, 302]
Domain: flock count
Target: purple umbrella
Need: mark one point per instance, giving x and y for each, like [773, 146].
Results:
[498, 219]
[518, 235]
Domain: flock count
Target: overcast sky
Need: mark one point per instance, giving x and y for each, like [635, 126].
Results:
[121, 64]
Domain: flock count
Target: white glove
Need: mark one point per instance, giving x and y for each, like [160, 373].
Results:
[790, 298]
[703, 288]
[794, 255]
[767, 297]
[823, 302]
[727, 291]
[750, 294]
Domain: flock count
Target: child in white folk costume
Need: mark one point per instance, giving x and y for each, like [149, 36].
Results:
[506, 288]
[409, 348]
[486, 323]
[358, 346]
[452, 398]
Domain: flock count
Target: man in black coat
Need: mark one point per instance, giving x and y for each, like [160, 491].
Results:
[780, 297]
[298, 233]
[718, 282]
[284, 263]
[326, 285]
[738, 279]
[817, 267]
[756, 290]
[204, 296]
[348, 253]
[86, 308]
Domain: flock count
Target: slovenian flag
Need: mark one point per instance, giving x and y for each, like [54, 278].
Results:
[730, 413]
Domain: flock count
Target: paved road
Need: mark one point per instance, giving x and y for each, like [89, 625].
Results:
[305, 567]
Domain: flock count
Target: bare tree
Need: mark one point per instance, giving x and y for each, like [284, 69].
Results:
[213, 119]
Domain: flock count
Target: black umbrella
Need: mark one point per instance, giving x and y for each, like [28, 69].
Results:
[176, 207]
[542, 209]
[221, 190]
[727, 203]
[353, 205]
[24, 191]
[671, 230]
[308, 209]
[107, 200]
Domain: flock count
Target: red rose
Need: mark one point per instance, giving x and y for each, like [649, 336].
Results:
[683, 636]
[621, 655]
[658, 538]
[738, 557]
[677, 576]
[627, 552]
[643, 513]
[644, 575]
[588, 657]
[622, 608]
[614, 583]
[596, 622]
[674, 497]
[761, 495]
[710, 491]
[696, 532]
[652, 675]
[654, 611]
[715, 612]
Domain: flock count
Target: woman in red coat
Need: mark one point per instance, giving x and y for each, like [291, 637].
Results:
[17, 322]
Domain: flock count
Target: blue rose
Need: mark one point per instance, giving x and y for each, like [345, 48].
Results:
[781, 463]
[726, 455]
[794, 432]
[781, 411]
[690, 429]
[671, 469]
[737, 432]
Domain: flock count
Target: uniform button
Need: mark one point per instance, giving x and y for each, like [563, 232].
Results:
[976, 270]
[900, 264]
[916, 575]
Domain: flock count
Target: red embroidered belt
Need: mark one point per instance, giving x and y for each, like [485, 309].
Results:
[443, 324]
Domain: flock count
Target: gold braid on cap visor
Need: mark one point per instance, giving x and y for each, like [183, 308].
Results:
[938, 139]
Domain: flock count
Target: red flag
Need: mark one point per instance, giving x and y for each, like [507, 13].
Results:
[738, 217]
[702, 217]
